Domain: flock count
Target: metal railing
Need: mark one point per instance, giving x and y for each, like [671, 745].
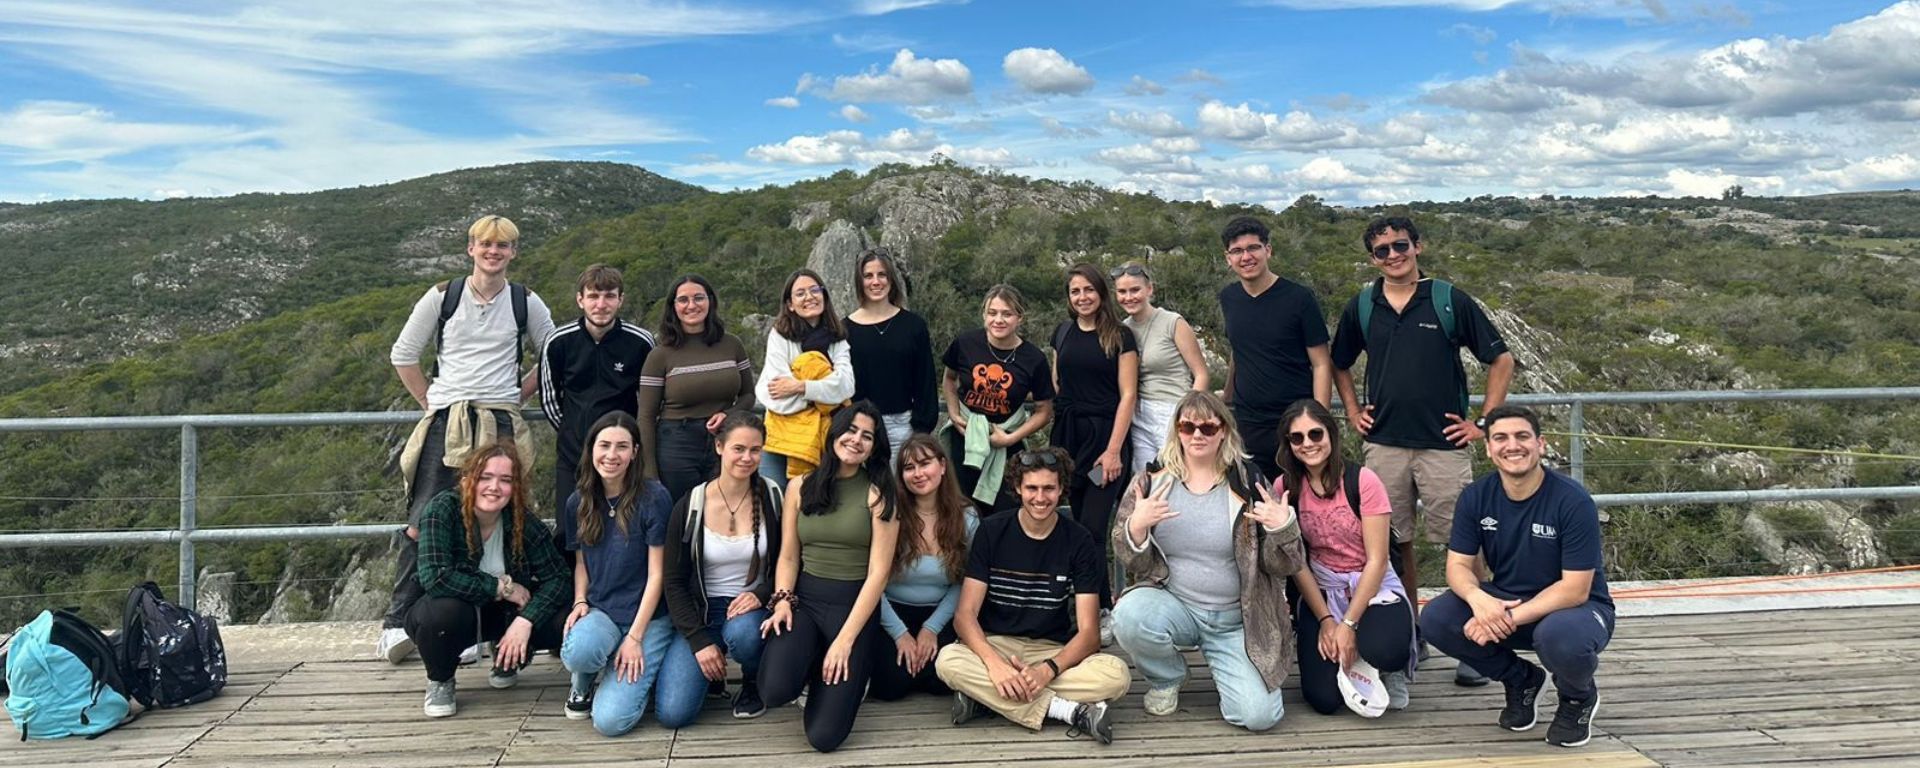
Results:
[189, 534]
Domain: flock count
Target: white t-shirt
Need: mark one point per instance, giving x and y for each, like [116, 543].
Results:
[477, 360]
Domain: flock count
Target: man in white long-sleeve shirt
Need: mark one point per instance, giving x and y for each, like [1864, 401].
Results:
[474, 394]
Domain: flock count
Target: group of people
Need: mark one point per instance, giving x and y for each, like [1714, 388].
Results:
[851, 544]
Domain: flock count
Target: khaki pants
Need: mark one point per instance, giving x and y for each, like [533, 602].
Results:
[1430, 476]
[1099, 677]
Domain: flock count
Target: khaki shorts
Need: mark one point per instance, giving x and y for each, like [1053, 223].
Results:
[1433, 478]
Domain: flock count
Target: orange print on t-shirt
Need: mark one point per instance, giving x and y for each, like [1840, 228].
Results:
[989, 392]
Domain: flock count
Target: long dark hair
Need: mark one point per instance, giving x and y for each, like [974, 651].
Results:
[1106, 319]
[520, 503]
[896, 282]
[1290, 465]
[671, 334]
[950, 511]
[787, 323]
[756, 485]
[591, 489]
[816, 498]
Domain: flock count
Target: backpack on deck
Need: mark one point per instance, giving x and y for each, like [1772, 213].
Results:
[450, 303]
[64, 679]
[172, 656]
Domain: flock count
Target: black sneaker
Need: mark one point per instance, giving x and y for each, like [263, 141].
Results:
[1521, 714]
[1573, 723]
[747, 704]
[1466, 676]
[965, 709]
[717, 689]
[579, 705]
[1091, 719]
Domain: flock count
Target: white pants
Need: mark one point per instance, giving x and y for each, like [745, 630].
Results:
[1152, 421]
[899, 427]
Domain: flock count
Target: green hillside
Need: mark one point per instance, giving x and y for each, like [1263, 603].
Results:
[1606, 294]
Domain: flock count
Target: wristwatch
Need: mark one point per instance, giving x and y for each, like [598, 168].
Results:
[1480, 423]
[1351, 624]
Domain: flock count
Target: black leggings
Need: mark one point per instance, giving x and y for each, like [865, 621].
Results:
[1085, 437]
[442, 627]
[1385, 640]
[890, 679]
[791, 660]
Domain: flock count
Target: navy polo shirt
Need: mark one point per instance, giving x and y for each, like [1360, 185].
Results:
[1414, 376]
[1527, 543]
[617, 564]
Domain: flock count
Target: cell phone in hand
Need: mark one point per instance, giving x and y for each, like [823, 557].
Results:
[1098, 475]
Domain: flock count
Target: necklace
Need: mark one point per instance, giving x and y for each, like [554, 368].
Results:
[733, 510]
[1011, 353]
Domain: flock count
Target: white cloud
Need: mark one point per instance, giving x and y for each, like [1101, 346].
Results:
[851, 148]
[901, 140]
[1198, 75]
[1147, 123]
[1140, 86]
[636, 78]
[1044, 70]
[1138, 158]
[828, 149]
[1299, 129]
[1879, 171]
[854, 114]
[1479, 35]
[783, 102]
[870, 42]
[908, 79]
[1685, 183]
[45, 132]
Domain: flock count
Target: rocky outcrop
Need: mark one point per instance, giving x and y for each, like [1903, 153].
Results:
[360, 596]
[213, 595]
[809, 214]
[833, 256]
[920, 207]
[1794, 559]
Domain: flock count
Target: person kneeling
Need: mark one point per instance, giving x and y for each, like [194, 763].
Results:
[1209, 550]
[1540, 534]
[490, 572]
[1029, 615]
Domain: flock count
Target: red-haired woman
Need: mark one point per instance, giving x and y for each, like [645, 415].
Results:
[490, 572]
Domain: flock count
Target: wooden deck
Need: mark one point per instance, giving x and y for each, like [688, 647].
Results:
[1834, 686]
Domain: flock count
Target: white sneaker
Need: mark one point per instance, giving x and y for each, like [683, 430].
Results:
[1161, 702]
[471, 655]
[1106, 628]
[395, 646]
[1397, 696]
[440, 699]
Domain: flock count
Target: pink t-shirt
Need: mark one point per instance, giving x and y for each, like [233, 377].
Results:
[1330, 528]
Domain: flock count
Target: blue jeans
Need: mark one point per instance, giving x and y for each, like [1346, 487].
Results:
[1148, 622]
[1568, 642]
[683, 687]
[589, 649]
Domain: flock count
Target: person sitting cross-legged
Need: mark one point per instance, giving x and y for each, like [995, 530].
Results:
[1029, 615]
[1540, 534]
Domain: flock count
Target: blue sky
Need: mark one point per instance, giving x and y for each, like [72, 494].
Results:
[1357, 101]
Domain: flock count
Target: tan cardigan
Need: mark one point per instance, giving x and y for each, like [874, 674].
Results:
[1266, 560]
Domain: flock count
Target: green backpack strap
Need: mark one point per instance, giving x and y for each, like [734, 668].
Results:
[1443, 306]
[1364, 303]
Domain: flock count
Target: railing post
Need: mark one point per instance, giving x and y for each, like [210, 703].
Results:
[1577, 447]
[189, 512]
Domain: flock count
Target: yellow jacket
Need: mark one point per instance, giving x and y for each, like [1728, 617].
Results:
[800, 436]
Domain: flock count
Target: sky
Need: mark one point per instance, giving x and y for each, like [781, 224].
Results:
[1259, 101]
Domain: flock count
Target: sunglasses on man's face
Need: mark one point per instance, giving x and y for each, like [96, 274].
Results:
[1205, 428]
[1310, 436]
[1397, 246]
[1032, 459]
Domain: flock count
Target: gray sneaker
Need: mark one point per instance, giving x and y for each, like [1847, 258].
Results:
[503, 678]
[440, 699]
[965, 709]
[1397, 695]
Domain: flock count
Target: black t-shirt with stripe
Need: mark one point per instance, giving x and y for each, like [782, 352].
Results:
[1031, 582]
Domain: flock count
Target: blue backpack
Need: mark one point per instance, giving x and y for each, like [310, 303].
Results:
[63, 679]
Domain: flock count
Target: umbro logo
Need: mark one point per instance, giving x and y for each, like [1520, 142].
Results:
[1489, 523]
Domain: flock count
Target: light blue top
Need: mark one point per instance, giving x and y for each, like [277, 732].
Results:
[924, 582]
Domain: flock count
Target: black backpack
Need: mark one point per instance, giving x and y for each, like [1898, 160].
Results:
[172, 656]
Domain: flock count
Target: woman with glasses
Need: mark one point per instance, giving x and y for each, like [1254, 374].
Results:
[1208, 550]
[808, 372]
[929, 565]
[1170, 360]
[892, 351]
[689, 382]
[839, 532]
[1352, 605]
[992, 374]
[1096, 367]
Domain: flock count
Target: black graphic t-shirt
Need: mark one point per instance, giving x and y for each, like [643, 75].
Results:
[1031, 583]
[994, 382]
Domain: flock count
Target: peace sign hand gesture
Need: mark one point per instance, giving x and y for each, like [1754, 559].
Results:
[1269, 512]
